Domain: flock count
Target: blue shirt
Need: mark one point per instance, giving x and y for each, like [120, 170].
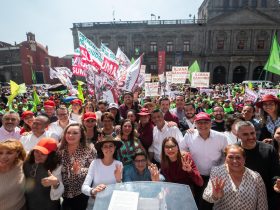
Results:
[131, 174]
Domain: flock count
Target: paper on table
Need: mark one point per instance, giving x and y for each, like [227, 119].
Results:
[122, 200]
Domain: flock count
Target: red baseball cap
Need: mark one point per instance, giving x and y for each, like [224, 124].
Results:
[89, 115]
[77, 101]
[144, 112]
[266, 98]
[49, 103]
[46, 145]
[202, 116]
[26, 113]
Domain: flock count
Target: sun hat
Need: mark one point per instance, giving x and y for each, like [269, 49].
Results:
[266, 98]
[108, 138]
[46, 145]
[144, 112]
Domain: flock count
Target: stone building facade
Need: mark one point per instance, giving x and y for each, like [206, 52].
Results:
[231, 39]
[19, 60]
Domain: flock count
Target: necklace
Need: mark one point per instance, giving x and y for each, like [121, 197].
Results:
[33, 171]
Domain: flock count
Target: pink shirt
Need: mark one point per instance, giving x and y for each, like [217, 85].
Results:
[4, 134]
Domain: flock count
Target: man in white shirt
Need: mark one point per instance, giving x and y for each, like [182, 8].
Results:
[38, 127]
[9, 129]
[63, 120]
[206, 147]
[160, 132]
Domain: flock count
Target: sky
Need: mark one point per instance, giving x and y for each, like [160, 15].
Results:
[51, 20]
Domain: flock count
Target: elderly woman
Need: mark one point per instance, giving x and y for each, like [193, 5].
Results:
[12, 179]
[43, 176]
[233, 186]
[104, 170]
[270, 115]
[75, 156]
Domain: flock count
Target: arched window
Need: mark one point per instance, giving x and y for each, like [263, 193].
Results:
[263, 3]
[219, 75]
[226, 3]
[239, 74]
[254, 3]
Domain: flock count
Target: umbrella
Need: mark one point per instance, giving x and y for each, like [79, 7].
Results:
[69, 99]
[57, 87]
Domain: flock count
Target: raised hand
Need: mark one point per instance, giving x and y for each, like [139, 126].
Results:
[118, 173]
[186, 164]
[218, 185]
[76, 167]
[51, 180]
[277, 186]
[100, 137]
[154, 172]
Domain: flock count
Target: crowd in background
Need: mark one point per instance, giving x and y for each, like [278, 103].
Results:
[62, 153]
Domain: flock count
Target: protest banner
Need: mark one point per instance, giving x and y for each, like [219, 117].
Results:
[179, 74]
[250, 95]
[151, 89]
[168, 76]
[274, 92]
[200, 79]
[208, 91]
[148, 77]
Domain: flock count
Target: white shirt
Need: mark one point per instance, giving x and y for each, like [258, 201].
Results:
[4, 134]
[30, 141]
[232, 139]
[57, 129]
[160, 135]
[205, 153]
[76, 117]
[190, 124]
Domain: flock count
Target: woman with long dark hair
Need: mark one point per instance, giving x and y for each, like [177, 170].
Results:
[104, 170]
[28, 118]
[178, 168]
[131, 143]
[75, 155]
[270, 115]
[43, 176]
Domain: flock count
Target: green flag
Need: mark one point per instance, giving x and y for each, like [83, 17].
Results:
[36, 100]
[80, 91]
[193, 68]
[273, 63]
[34, 80]
[132, 60]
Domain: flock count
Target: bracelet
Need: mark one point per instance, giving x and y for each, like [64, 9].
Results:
[57, 185]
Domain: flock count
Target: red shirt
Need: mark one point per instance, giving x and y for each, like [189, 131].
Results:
[171, 117]
[146, 134]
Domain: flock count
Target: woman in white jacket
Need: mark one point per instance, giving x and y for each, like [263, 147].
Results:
[104, 170]
[44, 185]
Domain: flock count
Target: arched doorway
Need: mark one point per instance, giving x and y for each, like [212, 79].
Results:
[239, 74]
[219, 75]
[259, 73]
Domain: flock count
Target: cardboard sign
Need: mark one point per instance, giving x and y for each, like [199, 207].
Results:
[179, 74]
[151, 89]
[200, 79]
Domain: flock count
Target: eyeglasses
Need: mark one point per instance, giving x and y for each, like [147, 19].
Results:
[202, 122]
[33, 171]
[170, 146]
[10, 119]
[60, 115]
[140, 161]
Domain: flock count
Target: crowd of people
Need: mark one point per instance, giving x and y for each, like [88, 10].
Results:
[61, 155]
